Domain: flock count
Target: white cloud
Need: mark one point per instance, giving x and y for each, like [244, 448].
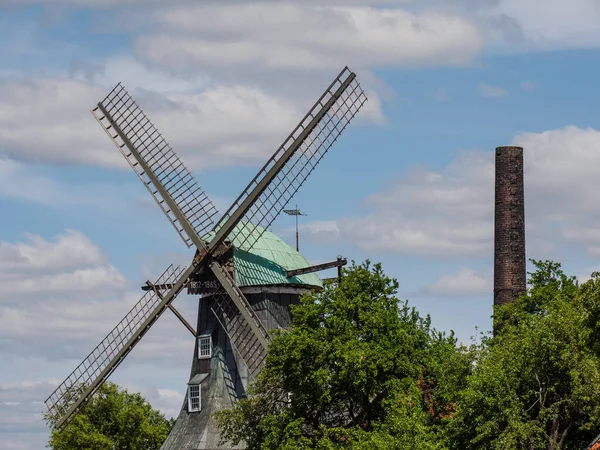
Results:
[112, 3]
[56, 293]
[216, 126]
[449, 213]
[21, 406]
[67, 327]
[485, 90]
[17, 181]
[21, 425]
[213, 107]
[28, 182]
[467, 282]
[90, 3]
[560, 164]
[60, 297]
[258, 35]
[135, 75]
[320, 231]
[69, 250]
[12, 392]
[521, 25]
[167, 401]
[59, 128]
[428, 213]
[79, 281]
[225, 125]
[557, 24]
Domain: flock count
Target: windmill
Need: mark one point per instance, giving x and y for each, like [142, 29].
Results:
[244, 293]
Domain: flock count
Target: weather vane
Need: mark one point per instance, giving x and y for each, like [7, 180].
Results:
[295, 212]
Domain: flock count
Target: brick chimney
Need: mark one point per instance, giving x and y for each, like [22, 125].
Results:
[510, 277]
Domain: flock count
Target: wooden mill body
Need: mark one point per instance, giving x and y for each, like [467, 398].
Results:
[224, 377]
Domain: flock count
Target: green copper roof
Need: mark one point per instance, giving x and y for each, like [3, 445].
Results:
[268, 261]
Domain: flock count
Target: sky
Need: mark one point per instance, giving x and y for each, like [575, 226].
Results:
[409, 184]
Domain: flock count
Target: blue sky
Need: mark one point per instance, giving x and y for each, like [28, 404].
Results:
[409, 184]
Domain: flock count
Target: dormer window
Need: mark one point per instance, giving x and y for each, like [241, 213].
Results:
[204, 346]
[194, 404]
[194, 394]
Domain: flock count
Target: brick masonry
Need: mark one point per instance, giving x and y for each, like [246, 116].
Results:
[509, 233]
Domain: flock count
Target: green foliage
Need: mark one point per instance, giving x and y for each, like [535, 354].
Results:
[113, 419]
[536, 384]
[361, 370]
[358, 369]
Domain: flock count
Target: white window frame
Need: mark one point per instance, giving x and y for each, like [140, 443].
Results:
[194, 393]
[202, 354]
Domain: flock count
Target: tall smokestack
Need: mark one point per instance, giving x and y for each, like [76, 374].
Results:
[510, 277]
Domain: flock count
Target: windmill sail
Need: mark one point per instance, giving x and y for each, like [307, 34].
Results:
[283, 174]
[177, 193]
[241, 303]
[191, 213]
[243, 338]
[180, 197]
[89, 375]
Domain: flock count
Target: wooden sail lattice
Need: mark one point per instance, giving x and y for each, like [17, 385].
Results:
[141, 144]
[191, 213]
[243, 340]
[71, 389]
[294, 160]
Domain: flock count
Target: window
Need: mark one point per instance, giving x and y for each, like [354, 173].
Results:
[194, 392]
[204, 347]
[194, 398]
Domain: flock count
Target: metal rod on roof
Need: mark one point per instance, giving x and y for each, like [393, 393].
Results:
[295, 212]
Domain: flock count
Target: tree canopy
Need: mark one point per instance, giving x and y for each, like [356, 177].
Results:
[361, 369]
[358, 368]
[113, 419]
[536, 384]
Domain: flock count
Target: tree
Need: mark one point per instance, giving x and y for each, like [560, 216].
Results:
[113, 419]
[358, 369]
[536, 384]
